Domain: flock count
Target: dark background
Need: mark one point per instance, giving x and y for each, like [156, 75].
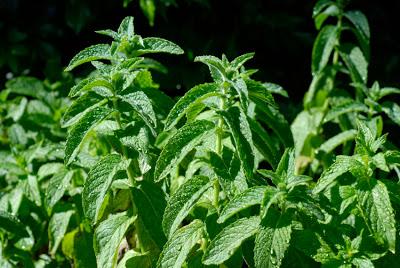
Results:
[40, 37]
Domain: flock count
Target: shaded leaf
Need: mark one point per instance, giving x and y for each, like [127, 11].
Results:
[183, 200]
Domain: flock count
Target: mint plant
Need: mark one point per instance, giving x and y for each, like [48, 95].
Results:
[115, 110]
[118, 174]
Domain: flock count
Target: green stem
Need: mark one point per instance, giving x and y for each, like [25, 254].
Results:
[130, 172]
[117, 115]
[218, 150]
[336, 53]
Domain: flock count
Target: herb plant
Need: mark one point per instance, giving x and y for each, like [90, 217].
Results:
[118, 174]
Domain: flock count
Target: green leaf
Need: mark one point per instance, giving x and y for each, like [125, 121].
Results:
[319, 20]
[77, 245]
[32, 191]
[361, 25]
[58, 183]
[159, 45]
[250, 197]
[183, 200]
[92, 83]
[261, 93]
[356, 62]
[57, 228]
[264, 143]
[17, 135]
[388, 91]
[49, 169]
[348, 107]
[323, 47]
[188, 101]
[342, 165]
[374, 200]
[149, 9]
[229, 239]
[126, 27]
[215, 65]
[97, 185]
[78, 108]
[150, 203]
[239, 61]
[241, 89]
[272, 240]
[134, 259]
[320, 5]
[12, 224]
[237, 122]
[180, 144]
[343, 137]
[79, 131]
[286, 166]
[392, 110]
[108, 236]
[95, 52]
[109, 33]
[27, 86]
[178, 247]
[304, 126]
[274, 119]
[143, 106]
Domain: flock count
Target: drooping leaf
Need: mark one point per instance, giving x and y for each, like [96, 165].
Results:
[356, 62]
[272, 240]
[323, 47]
[392, 110]
[49, 169]
[58, 183]
[342, 165]
[215, 65]
[98, 85]
[178, 247]
[57, 228]
[191, 98]
[108, 236]
[239, 126]
[229, 239]
[95, 52]
[373, 198]
[180, 144]
[12, 224]
[241, 89]
[183, 200]
[250, 197]
[149, 9]
[261, 93]
[97, 185]
[78, 108]
[361, 25]
[150, 203]
[143, 106]
[274, 119]
[304, 126]
[265, 144]
[79, 131]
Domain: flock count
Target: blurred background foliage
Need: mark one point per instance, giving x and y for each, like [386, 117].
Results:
[39, 37]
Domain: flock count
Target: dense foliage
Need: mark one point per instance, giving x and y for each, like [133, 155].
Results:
[109, 171]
